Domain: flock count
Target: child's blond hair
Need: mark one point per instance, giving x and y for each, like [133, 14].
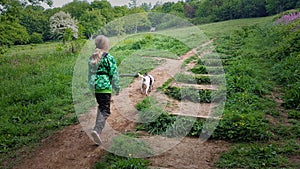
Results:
[102, 45]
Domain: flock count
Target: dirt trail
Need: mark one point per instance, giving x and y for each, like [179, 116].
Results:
[72, 148]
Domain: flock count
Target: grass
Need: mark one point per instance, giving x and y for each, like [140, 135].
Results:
[219, 29]
[260, 155]
[111, 161]
[37, 80]
[36, 95]
[250, 74]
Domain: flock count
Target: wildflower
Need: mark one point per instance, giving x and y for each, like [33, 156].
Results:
[286, 19]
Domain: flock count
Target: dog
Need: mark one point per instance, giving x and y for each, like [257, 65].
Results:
[147, 83]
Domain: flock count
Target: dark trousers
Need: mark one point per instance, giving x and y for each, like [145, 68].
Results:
[103, 100]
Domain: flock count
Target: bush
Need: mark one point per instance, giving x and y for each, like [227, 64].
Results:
[13, 33]
[36, 38]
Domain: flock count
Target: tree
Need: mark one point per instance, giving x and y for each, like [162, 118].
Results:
[76, 8]
[61, 24]
[132, 4]
[277, 6]
[136, 22]
[114, 28]
[177, 9]
[103, 4]
[10, 10]
[12, 33]
[189, 11]
[92, 21]
[34, 20]
[36, 38]
[167, 7]
[146, 7]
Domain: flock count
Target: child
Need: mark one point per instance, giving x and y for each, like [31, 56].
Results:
[103, 78]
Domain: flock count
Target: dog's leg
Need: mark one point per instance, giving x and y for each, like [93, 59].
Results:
[147, 88]
[142, 88]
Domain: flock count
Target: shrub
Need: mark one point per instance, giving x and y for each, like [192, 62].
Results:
[36, 38]
[13, 33]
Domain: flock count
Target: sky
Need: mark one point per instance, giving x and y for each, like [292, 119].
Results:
[60, 3]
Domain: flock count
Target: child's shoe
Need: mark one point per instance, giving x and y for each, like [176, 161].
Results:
[96, 137]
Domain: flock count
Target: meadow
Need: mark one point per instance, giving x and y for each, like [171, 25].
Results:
[36, 91]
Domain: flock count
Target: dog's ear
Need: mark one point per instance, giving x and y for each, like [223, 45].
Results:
[140, 75]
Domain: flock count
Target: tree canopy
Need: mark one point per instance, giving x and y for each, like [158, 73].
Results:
[29, 19]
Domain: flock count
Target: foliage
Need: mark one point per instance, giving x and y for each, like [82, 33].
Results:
[190, 79]
[275, 48]
[199, 69]
[76, 8]
[155, 121]
[259, 155]
[236, 127]
[128, 146]
[12, 33]
[285, 19]
[35, 99]
[63, 26]
[189, 93]
[91, 21]
[286, 58]
[291, 132]
[36, 38]
[111, 161]
[35, 21]
[277, 6]
[294, 114]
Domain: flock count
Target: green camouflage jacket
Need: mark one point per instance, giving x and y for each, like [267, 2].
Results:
[104, 76]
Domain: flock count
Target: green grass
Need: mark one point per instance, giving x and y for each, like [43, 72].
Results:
[267, 155]
[244, 46]
[36, 89]
[219, 29]
[36, 95]
[111, 161]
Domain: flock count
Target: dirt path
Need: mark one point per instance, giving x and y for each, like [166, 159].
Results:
[72, 148]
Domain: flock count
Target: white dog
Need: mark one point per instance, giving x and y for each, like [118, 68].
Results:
[147, 83]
